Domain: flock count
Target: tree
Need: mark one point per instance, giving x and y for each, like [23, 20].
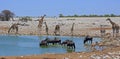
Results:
[112, 15]
[1, 16]
[60, 15]
[106, 15]
[25, 19]
[7, 15]
[76, 15]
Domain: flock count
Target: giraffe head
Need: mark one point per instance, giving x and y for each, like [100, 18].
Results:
[107, 19]
[44, 15]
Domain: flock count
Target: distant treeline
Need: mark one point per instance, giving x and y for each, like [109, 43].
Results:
[91, 15]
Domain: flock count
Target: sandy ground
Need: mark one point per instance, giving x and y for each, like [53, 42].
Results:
[83, 26]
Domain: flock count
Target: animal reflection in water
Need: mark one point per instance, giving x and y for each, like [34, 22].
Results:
[88, 42]
[68, 43]
[94, 46]
[88, 47]
[49, 41]
[88, 39]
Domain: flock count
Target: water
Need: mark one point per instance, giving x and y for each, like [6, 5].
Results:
[29, 45]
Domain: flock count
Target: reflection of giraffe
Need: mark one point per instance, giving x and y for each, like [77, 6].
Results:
[41, 21]
[14, 26]
[46, 28]
[72, 29]
[115, 27]
[57, 29]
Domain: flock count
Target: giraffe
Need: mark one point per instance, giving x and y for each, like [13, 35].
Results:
[115, 27]
[14, 26]
[72, 29]
[41, 21]
[46, 28]
[57, 29]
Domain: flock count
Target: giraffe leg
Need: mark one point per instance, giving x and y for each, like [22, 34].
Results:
[47, 31]
[59, 31]
[55, 32]
[9, 30]
[117, 32]
[16, 30]
[113, 32]
[72, 33]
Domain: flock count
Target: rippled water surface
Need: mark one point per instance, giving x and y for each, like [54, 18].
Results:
[28, 45]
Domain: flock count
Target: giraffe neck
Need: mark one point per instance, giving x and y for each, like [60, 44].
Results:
[46, 25]
[41, 20]
[42, 17]
[111, 22]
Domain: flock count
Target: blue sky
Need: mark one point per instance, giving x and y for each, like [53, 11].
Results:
[56, 7]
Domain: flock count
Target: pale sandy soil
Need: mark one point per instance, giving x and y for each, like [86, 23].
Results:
[83, 26]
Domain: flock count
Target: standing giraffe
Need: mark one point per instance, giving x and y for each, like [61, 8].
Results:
[115, 27]
[57, 29]
[46, 28]
[72, 29]
[41, 21]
